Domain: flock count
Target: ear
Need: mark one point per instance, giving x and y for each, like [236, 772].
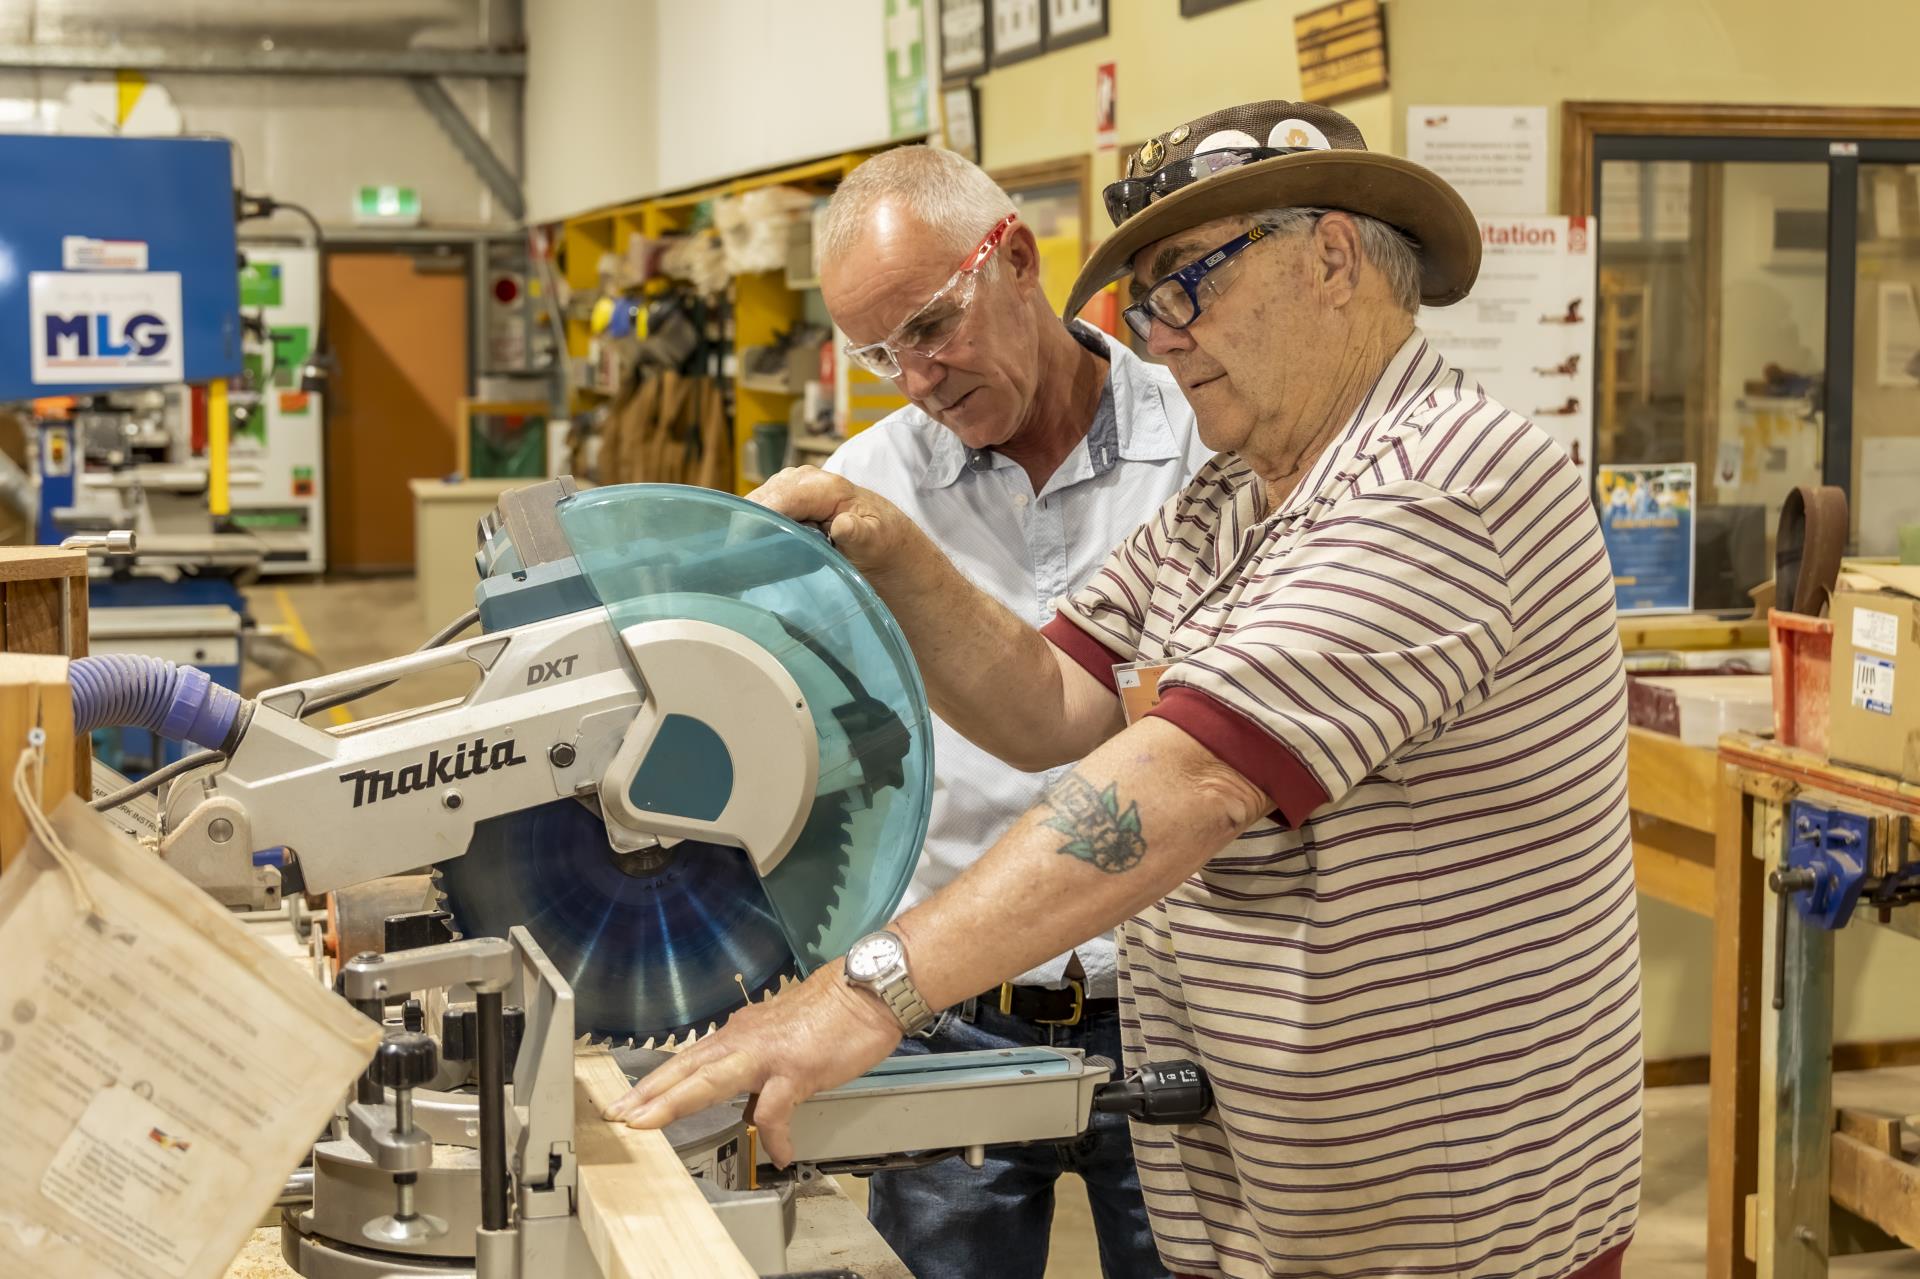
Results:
[1336, 259]
[1020, 255]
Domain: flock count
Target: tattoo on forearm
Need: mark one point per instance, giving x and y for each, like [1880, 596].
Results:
[1097, 830]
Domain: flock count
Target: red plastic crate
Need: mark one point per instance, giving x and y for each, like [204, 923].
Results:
[1802, 673]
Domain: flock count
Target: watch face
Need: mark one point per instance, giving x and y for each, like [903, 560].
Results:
[873, 955]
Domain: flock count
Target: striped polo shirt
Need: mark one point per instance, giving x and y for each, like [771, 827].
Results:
[1415, 985]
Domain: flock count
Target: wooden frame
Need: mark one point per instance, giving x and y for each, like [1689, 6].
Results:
[43, 610]
[471, 408]
[1077, 169]
[1582, 122]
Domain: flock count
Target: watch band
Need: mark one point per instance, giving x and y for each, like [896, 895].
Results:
[908, 1008]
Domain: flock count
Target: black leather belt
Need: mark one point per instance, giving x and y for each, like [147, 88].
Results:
[1046, 1005]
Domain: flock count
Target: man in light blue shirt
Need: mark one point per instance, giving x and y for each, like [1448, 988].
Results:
[1030, 451]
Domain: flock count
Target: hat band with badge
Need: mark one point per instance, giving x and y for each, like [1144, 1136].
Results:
[1248, 159]
[1130, 195]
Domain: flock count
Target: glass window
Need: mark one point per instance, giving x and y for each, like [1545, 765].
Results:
[1886, 363]
[1711, 336]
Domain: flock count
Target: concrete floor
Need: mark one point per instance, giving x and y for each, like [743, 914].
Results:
[348, 623]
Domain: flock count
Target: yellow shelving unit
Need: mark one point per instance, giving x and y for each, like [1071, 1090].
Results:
[763, 304]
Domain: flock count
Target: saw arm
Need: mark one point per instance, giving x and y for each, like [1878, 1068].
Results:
[561, 709]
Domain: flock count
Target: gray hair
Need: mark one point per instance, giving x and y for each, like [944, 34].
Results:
[1392, 252]
[946, 191]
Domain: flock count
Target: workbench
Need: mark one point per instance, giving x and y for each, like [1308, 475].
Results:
[1777, 1167]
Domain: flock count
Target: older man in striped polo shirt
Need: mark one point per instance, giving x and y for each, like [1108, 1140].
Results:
[1369, 853]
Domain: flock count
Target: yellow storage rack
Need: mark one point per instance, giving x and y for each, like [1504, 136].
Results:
[763, 304]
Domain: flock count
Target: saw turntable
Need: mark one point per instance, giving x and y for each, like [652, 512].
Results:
[695, 761]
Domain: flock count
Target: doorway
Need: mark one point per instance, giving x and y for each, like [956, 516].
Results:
[1759, 313]
[398, 324]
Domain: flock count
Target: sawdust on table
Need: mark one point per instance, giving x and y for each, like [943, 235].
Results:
[260, 1259]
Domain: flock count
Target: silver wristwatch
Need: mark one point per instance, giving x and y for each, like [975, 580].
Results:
[878, 962]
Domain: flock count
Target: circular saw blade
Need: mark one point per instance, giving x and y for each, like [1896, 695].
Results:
[655, 944]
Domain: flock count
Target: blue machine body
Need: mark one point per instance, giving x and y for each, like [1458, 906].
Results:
[172, 195]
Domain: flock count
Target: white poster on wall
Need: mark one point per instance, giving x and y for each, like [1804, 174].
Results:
[1525, 333]
[1495, 157]
[105, 327]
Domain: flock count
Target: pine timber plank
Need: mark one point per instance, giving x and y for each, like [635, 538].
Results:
[639, 1209]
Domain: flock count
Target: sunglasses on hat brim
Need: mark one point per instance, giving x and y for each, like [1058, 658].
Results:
[1129, 196]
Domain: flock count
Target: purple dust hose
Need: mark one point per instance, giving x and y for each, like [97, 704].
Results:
[126, 690]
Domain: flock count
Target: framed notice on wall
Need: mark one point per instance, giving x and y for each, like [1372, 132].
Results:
[959, 113]
[1072, 21]
[1019, 30]
[965, 38]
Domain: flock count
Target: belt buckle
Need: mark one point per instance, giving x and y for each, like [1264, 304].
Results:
[1079, 1006]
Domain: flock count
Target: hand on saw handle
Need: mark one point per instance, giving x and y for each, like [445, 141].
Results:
[812, 1036]
[866, 528]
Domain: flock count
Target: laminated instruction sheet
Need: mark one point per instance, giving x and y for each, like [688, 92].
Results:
[163, 1070]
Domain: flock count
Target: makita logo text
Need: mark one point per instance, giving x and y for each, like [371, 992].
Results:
[89, 337]
[371, 785]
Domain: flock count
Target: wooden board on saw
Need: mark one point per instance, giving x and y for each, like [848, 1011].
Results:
[639, 1209]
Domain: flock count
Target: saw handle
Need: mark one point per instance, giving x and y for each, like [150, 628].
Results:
[1172, 1092]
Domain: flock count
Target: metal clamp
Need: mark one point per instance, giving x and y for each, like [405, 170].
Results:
[1823, 876]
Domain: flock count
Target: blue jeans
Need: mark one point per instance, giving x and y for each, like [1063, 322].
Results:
[949, 1221]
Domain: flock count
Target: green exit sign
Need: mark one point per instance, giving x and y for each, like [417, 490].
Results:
[391, 206]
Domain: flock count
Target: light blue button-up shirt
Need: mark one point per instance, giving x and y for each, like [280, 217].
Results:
[1026, 550]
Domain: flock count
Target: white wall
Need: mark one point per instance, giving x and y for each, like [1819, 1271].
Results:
[630, 98]
[312, 140]
[591, 137]
[751, 84]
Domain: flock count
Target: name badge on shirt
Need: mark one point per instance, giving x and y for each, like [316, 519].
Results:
[1139, 685]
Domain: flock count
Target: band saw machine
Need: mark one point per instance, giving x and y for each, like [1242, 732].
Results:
[695, 761]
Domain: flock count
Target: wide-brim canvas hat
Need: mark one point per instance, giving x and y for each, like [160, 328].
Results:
[1332, 169]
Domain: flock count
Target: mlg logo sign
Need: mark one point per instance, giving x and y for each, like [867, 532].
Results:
[110, 328]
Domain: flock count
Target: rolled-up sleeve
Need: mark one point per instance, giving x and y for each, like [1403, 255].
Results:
[1369, 631]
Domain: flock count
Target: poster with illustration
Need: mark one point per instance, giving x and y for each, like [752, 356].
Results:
[1646, 521]
[1525, 333]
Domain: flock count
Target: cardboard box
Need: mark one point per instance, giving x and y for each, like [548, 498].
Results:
[1875, 694]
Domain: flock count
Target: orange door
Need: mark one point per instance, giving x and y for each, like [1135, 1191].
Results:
[400, 334]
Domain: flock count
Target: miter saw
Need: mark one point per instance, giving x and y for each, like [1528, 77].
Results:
[695, 761]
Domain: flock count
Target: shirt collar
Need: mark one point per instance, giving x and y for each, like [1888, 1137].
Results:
[1415, 369]
[1136, 429]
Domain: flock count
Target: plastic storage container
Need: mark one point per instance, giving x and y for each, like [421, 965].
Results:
[1699, 708]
